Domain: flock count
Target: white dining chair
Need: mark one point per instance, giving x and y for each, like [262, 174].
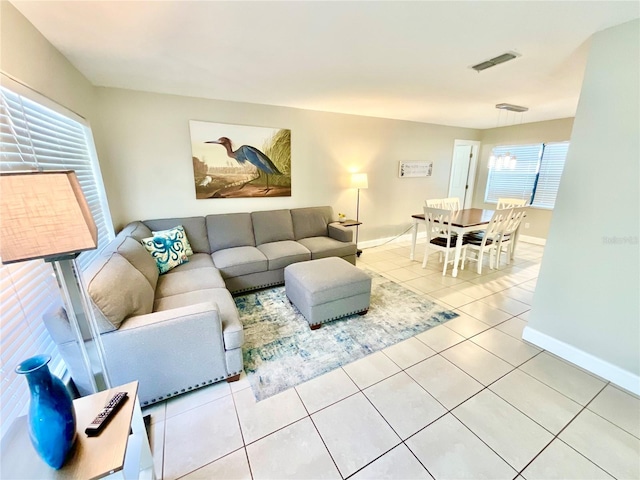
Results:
[508, 233]
[451, 203]
[439, 237]
[433, 203]
[510, 203]
[487, 240]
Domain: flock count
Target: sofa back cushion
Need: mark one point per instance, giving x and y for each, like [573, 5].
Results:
[230, 230]
[118, 289]
[272, 226]
[194, 227]
[137, 230]
[141, 260]
[311, 221]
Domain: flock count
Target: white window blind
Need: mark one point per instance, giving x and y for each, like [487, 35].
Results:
[536, 177]
[33, 136]
[551, 168]
[516, 183]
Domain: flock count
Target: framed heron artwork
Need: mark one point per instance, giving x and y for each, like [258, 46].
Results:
[232, 161]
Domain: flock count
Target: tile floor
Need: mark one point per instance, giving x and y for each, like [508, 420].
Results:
[467, 399]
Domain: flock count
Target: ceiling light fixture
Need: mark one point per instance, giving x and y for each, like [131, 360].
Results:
[511, 107]
[505, 57]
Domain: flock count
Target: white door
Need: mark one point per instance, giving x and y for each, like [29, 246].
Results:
[458, 181]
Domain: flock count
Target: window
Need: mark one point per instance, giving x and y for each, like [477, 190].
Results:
[33, 136]
[535, 178]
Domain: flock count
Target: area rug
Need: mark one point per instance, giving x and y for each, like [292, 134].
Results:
[281, 351]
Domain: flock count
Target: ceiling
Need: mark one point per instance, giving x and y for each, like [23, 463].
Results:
[400, 60]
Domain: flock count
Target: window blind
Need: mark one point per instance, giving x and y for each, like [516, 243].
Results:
[551, 167]
[516, 183]
[33, 136]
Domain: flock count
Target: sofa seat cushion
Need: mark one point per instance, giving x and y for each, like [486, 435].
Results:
[176, 283]
[236, 261]
[322, 247]
[197, 260]
[281, 254]
[231, 326]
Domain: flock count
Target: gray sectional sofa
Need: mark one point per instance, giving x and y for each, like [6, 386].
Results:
[180, 330]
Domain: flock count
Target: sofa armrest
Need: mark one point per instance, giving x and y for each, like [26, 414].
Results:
[339, 232]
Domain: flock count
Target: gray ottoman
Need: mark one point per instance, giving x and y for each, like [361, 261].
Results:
[326, 289]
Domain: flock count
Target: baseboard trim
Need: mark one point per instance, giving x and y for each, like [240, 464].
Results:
[534, 240]
[593, 364]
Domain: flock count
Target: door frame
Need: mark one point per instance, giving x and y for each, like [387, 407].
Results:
[473, 167]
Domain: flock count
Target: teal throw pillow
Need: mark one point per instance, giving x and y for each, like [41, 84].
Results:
[167, 250]
[179, 233]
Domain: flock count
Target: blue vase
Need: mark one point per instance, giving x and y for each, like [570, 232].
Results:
[52, 419]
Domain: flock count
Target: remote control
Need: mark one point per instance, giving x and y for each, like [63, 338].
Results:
[107, 413]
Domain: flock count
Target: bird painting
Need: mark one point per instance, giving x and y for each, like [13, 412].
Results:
[249, 154]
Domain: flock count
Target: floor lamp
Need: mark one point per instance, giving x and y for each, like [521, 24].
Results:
[45, 216]
[358, 181]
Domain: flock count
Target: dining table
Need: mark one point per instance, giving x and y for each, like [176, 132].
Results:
[463, 221]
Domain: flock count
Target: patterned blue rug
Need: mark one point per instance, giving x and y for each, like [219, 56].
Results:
[281, 351]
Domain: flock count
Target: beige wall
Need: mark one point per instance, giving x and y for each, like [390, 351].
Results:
[538, 219]
[587, 302]
[144, 145]
[28, 57]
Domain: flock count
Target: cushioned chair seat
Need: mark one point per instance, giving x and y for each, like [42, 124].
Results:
[175, 283]
[237, 261]
[322, 247]
[231, 325]
[281, 254]
[442, 242]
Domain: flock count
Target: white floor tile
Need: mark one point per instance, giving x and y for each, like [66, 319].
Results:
[199, 436]
[452, 297]
[409, 352]
[198, 397]
[511, 434]
[398, 464]
[450, 451]
[295, 452]
[326, 389]
[520, 294]
[567, 379]
[231, 467]
[404, 404]
[466, 325]
[619, 407]
[156, 435]
[511, 350]
[477, 362]
[371, 369]
[354, 432]
[440, 337]
[514, 327]
[403, 274]
[485, 313]
[444, 381]
[611, 448]
[560, 462]
[507, 304]
[541, 403]
[258, 419]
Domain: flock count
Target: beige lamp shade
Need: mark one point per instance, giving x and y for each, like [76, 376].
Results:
[43, 214]
[359, 180]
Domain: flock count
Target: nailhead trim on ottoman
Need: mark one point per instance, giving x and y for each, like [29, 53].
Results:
[327, 289]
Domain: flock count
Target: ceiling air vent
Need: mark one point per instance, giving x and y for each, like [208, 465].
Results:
[505, 57]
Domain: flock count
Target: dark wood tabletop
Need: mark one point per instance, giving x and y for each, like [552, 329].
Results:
[469, 217]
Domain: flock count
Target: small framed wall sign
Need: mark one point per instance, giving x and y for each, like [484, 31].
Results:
[414, 169]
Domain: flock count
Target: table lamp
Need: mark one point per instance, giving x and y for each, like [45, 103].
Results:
[359, 181]
[45, 215]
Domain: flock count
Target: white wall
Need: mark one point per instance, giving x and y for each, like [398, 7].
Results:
[586, 306]
[144, 147]
[538, 219]
[28, 57]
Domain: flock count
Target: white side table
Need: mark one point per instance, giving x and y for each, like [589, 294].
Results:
[120, 451]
